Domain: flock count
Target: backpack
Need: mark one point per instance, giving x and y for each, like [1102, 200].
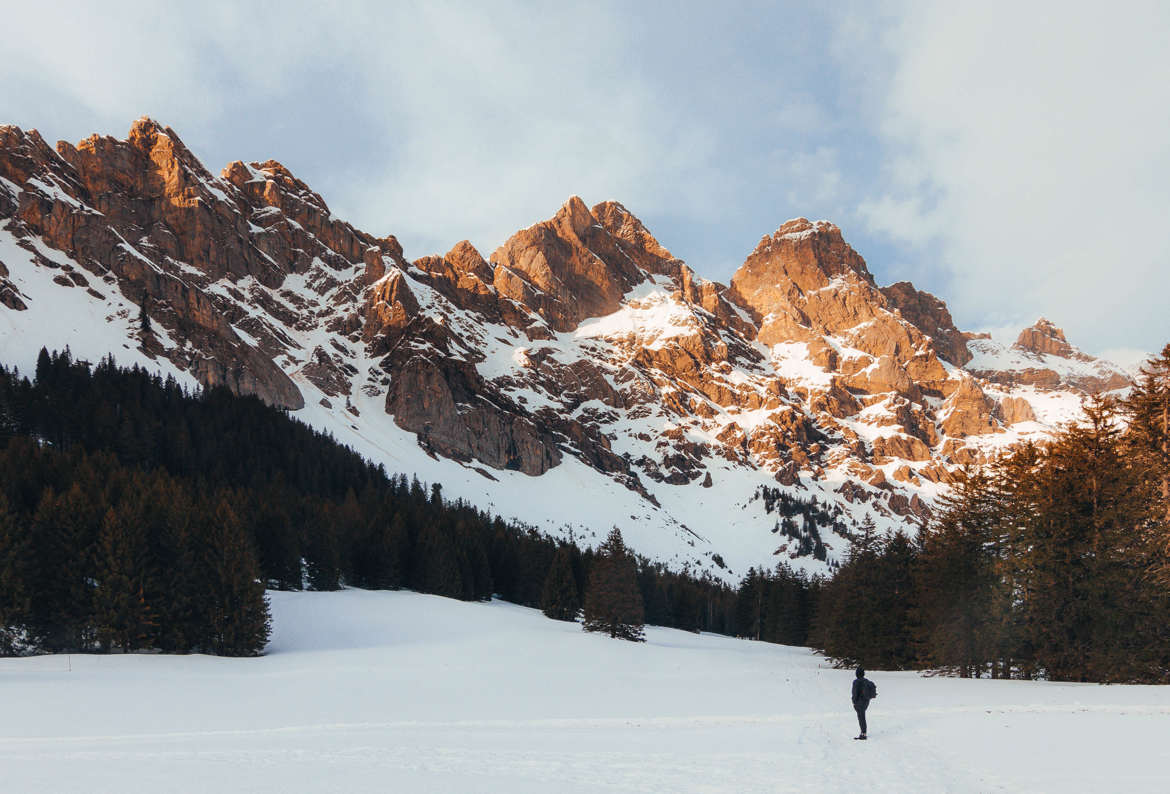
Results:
[870, 689]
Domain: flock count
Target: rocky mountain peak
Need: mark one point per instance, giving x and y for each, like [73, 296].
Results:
[639, 243]
[566, 268]
[805, 283]
[574, 217]
[1041, 356]
[801, 244]
[787, 267]
[467, 259]
[1044, 338]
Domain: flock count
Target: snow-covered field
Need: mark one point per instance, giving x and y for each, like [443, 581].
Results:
[399, 692]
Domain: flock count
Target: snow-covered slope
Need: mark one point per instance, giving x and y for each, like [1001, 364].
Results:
[394, 691]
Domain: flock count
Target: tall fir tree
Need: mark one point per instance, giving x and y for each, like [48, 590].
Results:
[15, 584]
[1073, 544]
[613, 602]
[1147, 410]
[64, 528]
[559, 599]
[144, 314]
[239, 623]
[121, 612]
[962, 605]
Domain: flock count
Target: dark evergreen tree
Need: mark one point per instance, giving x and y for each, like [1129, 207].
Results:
[749, 605]
[1075, 547]
[64, 527]
[613, 603]
[122, 615]
[436, 562]
[239, 620]
[1147, 445]
[144, 314]
[15, 586]
[963, 602]
[559, 599]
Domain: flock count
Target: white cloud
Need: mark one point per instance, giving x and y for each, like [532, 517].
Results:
[1030, 157]
[1012, 158]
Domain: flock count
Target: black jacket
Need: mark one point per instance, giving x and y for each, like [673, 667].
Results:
[860, 693]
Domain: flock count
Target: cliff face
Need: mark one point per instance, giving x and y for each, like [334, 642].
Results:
[582, 344]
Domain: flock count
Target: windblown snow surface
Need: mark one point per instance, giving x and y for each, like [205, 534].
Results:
[400, 692]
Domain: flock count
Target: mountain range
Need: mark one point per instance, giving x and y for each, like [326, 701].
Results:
[580, 377]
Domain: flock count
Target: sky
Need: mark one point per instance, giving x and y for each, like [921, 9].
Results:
[1011, 158]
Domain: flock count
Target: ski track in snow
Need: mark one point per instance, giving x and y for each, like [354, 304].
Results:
[404, 692]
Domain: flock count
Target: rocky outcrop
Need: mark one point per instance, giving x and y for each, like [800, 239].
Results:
[1044, 338]
[1042, 357]
[885, 375]
[443, 405]
[1012, 410]
[567, 268]
[968, 412]
[805, 283]
[390, 308]
[899, 446]
[930, 316]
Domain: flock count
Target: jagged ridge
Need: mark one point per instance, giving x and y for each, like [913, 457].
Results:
[582, 344]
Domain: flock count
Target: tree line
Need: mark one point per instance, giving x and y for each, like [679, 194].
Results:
[134, 514]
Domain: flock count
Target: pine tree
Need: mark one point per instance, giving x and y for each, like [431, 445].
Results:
[436, 562]
[64, 528]
[559, 599]
[123, 616]
[322, 551]
[144, 314]
[1074, 551]
[1147, 411]
[173, 584]
[962, 601]
[239, 623]
[749, 605]
[613, 603]
[15, 585]
[8, 421]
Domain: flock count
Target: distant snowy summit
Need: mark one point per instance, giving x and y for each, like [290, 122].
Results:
[1041, 356]
[579, 377]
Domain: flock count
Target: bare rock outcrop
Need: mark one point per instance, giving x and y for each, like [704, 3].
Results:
[566, 269]
[1045, 338]
[931, 316]
[441, 402]
[968, 412]
[1012, 410]
[885, 375]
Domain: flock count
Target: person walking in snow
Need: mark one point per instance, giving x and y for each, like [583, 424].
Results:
[864, 691]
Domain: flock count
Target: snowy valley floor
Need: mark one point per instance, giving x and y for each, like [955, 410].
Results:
[399, 692]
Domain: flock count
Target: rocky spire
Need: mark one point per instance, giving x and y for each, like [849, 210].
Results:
[566, 268]
[1045, 338]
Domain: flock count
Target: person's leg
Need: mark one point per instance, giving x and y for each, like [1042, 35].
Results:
[861, 719]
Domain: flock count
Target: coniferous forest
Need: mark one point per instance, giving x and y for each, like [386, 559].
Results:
[1054, 561]
[134, 515]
